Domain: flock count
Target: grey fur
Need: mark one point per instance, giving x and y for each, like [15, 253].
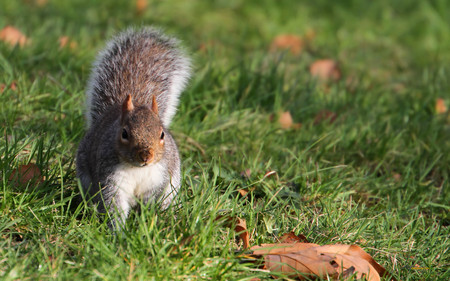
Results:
[141, 63]
[126, 63]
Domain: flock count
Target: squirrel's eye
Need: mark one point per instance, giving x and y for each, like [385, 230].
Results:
[124, 134]
[162, 135]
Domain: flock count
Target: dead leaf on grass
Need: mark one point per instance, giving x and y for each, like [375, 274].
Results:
[286, 122]
[41, 3]
[25, 174]
[300, 260]
[441, 107]
[291, 42]
[246, 173]
[325, 70]
[325, 115]
[290, 237]
[66, 41]
[13, 36]
[240, 227]
[141, 6]
[269, 173]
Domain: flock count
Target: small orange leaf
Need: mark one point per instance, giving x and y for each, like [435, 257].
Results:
[325, 70]
[290, 42]
[25, 174]
[441, 107]
[292, 238]
[13, 36]
[141, 6]
[41, 3]
[64, 40]
[2, 87]
[13, 85]
[243, 192]
[285, 120]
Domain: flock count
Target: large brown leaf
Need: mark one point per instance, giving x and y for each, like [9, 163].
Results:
[301, 260]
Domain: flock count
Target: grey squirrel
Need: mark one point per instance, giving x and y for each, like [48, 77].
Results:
[128, 153]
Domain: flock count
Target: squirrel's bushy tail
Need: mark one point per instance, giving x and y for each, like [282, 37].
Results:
[142, 62]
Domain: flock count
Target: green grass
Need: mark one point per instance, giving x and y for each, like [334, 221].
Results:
[378, 176]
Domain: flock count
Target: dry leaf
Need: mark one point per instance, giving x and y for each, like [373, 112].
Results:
[13, 85]
[325, 70]
[302, 260]
[243, 192]
[292, 238]
[246, 174]
[324, 115]
[441, 107]
[25, 174]
[141, 6]
[64, 40]
[13, 36]
[41, 3]
[240, 227]
[285, 120]
[2, 87]
[290, 42]
[310, 34]
[269, 173]
[397, 177]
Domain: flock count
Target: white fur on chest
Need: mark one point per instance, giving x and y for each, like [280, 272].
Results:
[138, 181]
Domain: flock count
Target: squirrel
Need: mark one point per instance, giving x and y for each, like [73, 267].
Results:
[128, 153]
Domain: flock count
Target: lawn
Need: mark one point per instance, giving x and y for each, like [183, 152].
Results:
[368, 162]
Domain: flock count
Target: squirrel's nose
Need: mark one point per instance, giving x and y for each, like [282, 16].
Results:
[145, 156]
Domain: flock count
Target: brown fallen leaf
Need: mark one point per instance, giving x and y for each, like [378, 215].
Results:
[13, 36]
[290, 42]
[25, 174]
[286, 122]
[2, 87]
[324, 115]
[240, 227]
[41, 3]
[310, 34]
[65, 40]
[397, 177]
[269, 173]
[325, 70]
[300, 260]
[290, 237]
[141, 6]
[246, 173]
[243, 192]
[441, 107]
[13, 85]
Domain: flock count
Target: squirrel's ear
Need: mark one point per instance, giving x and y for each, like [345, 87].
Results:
[127, 105]
[154, 105]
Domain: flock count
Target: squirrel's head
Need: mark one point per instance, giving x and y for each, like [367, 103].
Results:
[141, 134]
